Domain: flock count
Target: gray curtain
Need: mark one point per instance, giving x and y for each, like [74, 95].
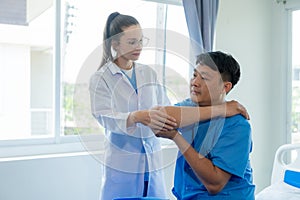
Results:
[201, 18]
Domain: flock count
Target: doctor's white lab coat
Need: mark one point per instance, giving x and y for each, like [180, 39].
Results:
[128, 149]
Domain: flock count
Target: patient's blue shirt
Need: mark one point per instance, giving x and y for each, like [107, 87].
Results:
[227, 143]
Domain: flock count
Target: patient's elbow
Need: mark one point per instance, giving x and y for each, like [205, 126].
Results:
[214, 188]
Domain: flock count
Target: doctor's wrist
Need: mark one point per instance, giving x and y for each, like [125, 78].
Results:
[132, 119]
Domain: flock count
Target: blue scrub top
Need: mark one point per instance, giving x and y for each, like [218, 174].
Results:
[227, 143]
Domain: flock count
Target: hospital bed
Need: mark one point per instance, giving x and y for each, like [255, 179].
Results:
[285, 180]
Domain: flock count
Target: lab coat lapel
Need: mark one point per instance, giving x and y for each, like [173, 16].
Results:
[116, 70]
[140, 76]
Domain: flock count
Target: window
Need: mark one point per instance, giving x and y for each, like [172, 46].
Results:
[26, 56]
[38, 102]
[295, 76]
[85, 38]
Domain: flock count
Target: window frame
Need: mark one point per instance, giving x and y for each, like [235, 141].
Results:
[290, 6]
[55, 143]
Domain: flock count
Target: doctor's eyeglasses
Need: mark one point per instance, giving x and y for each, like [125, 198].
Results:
[134, 42]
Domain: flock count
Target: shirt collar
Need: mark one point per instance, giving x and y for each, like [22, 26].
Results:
[113, 68]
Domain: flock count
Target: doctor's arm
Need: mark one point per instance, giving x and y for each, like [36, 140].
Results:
[117, 121]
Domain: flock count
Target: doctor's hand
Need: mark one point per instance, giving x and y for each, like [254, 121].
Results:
[155, 118]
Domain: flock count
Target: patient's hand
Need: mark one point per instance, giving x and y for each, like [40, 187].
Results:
[234, 108]
[166, 134]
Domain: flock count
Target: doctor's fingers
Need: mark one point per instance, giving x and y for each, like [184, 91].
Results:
[160, 125]
[163, 117]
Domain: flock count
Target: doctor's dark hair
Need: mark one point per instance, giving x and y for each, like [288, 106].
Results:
[115, 24]
[228, 67]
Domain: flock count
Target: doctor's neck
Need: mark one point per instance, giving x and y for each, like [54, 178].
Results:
[124, 63]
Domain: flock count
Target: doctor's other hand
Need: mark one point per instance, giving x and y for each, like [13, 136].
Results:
[154, 118]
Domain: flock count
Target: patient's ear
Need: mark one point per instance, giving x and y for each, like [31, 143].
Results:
[227, 86]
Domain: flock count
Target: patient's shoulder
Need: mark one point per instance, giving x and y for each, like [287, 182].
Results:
[238, 121]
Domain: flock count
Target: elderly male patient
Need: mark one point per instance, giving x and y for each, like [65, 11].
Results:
[213, 160]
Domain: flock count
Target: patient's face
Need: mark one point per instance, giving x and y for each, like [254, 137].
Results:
[206, 86]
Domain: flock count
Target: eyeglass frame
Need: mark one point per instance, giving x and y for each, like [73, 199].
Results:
[134, 43]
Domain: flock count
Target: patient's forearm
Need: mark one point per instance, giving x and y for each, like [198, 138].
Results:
[185, 115]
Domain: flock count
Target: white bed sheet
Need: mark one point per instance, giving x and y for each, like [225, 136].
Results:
[279, 191]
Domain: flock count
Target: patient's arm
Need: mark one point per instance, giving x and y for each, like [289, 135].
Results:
[213, 178]
[186, 115]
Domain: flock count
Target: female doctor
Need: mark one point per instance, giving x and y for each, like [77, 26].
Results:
[122, 93]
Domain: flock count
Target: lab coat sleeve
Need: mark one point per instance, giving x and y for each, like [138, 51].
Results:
[101, 106]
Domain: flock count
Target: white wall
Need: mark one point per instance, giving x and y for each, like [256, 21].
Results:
[61, 178]
[251, 31]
